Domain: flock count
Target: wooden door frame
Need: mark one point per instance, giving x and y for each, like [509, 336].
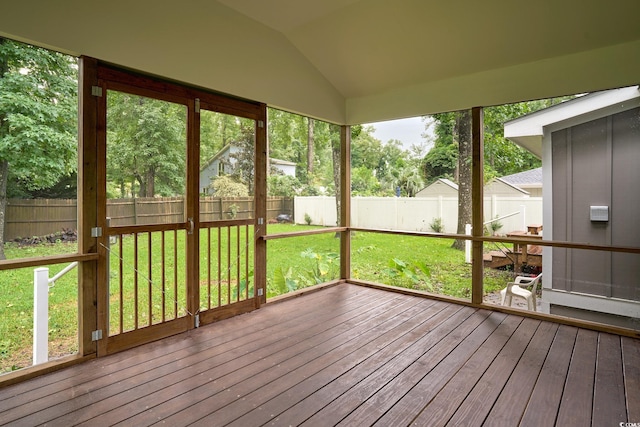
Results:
[96, 79]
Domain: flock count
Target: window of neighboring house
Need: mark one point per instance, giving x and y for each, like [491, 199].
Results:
[220, 168]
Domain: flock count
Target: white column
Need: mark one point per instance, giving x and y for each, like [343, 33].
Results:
[467, 244]
[40, 315]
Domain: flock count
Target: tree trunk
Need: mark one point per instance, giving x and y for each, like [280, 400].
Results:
[150, 179]
[4, 173]
[463, 131]
[4, 164]
[335, 151]
[309, 149]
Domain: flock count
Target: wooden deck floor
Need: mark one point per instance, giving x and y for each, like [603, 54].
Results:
[349, 355]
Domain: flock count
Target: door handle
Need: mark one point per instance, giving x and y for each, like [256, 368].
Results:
[191, 225]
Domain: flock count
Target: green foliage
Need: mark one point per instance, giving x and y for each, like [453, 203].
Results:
[216, 131]
[282, 282]
[307, 219]
[440, 161]
[283, 185]
[38, 114]
[233, 211]
[495, 226]
[146, 145]
[416, 272]
[324, 269]
[436, 225]
[225, 186]
[501, 156]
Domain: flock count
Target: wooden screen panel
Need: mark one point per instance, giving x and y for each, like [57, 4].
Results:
[226, 263]
[146, 279]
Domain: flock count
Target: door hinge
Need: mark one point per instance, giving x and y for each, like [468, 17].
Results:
[96, 335]
[260, 292]
[197, 320]
[260, 124]
[96, 91]
[96, 232]
[197, 105]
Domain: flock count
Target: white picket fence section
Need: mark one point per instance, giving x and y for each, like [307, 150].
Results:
[417, 213]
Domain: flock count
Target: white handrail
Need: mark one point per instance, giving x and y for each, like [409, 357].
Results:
[502, 217]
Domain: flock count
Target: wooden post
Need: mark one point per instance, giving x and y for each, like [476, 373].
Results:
[260, 195]
[477, 173]
[193, 212]
[87, 203]
[345, 202]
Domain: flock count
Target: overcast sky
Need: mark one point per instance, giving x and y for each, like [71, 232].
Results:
[409, 131]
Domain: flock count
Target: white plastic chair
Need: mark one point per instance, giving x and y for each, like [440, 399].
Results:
[515, 289]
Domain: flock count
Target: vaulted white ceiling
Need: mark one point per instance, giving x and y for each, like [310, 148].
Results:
[353, 61]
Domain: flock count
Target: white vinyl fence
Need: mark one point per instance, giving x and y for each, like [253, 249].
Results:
[417, 213]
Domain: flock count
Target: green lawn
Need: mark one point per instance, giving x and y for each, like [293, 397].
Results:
[407, 261]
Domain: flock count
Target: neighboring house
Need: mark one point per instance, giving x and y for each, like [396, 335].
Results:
[441, 187]
[223, 163]
[530, 180]
[590, 150]
[283, 166]
[447, 188]
[500, 187]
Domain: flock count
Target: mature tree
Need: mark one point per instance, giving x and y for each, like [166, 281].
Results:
[243, 159]
[216, 131]
[450, 155]
[146, 146]
[462, 132]
[310, 146]
[38, 119]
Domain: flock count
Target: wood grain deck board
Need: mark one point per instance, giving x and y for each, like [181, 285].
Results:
[349, 355]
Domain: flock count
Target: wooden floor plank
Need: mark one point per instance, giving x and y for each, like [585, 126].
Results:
[333, 404]
[576, 403]
[377, 405]
[513, 399]
[317, 373]
[609, 403]
[631, 365]
[443, 406]
[294, 351]
[550, 385]
[188, 372]
[121, 380]
[51, 383]
[250, 392]
[479, 401]
[412, 403]
[349, 355]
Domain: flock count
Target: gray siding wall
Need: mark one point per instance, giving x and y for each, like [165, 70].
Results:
[598, 164]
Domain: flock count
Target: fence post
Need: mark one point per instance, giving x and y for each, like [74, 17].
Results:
[40, 315]
[467, 244]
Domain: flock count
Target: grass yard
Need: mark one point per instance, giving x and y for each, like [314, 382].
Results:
[408, 261]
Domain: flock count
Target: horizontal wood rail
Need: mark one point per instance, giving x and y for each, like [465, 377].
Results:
[227, 223]
[518, 240]
[305, 233]
[150, 228]
[412, 233]
[561, 244]
[11, 264]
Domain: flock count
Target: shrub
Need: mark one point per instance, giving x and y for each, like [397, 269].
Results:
[307, 219]
[436, 225]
